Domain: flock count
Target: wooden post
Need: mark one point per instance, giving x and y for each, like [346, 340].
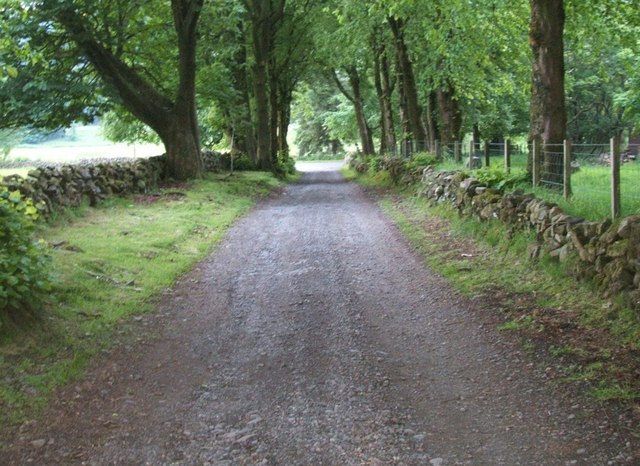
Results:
[436, 147]
[615, 176]
[535, 162]
[566, 169]
[456, 151]
[486, 153]
[507, 156]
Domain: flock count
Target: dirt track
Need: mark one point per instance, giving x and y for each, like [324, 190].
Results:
[315, 336]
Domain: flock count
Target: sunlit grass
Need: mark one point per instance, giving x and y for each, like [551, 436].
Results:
[590, 185]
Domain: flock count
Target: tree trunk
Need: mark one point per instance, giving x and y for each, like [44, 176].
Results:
[178, 141]
[274, 102]
[383, 90]
[450, 115]
[284, 118]
[366, 138]
[183, 149]
[402, 100]
[261, 39]
[242, 133]
[547, 111]
[406, 75]
[476, 134]
[431, 129]
[175, 121]
[355, 98]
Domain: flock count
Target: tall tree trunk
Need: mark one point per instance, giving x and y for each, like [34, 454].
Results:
[450, 115]
[384, 89]
[175, 121]
[547, 111]
[402, 100]
[406, 75]
[355, 97]
[261, 35]
[184, 135]
[476, 134]
[284, 118]
[242, 132]
[274, 102]
[431, 129]
[366, 137]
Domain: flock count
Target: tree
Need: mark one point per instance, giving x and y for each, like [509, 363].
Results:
[357, 99]
[411, 108]
[385, 85]
[263, 16]
[548, 115]
[96, 35]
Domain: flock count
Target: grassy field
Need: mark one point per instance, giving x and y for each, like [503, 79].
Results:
[591, 188]
[78, 143]
[22, 171]
[108, 264]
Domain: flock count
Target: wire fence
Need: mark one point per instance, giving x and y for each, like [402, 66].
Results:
[597, 180]
[630, 180]
[552, 167]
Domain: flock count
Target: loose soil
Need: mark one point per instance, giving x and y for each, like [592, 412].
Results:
[315, 335]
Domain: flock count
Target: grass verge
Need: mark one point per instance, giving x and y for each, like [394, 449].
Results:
[109, 263]
[567, 325]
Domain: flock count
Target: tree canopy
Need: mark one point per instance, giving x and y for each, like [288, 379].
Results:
[372, 74]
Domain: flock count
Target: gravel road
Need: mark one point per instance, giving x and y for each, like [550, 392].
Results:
[315, 336]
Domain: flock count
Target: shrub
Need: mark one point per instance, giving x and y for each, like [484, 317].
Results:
[23, 262]
[376, 164]
[495, 177]
[421, 160]
[284, 166]
[242, 163]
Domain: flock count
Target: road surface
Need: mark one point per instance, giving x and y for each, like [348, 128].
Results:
[314, 335]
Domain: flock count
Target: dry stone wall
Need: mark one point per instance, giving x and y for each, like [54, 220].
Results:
[53, 187]
[605, 252]
[57, 186]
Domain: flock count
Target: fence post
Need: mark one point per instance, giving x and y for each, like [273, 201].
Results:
[486, 153]
[456, 151]
[436, 147]
[615, 176]
[535, 161]
[507, 156]
[566, 169]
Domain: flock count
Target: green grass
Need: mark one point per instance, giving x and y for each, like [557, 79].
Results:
[520, 323]
[379, 179]
[82, 142]
[591, 188]
[614, 392]
[110, 264]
